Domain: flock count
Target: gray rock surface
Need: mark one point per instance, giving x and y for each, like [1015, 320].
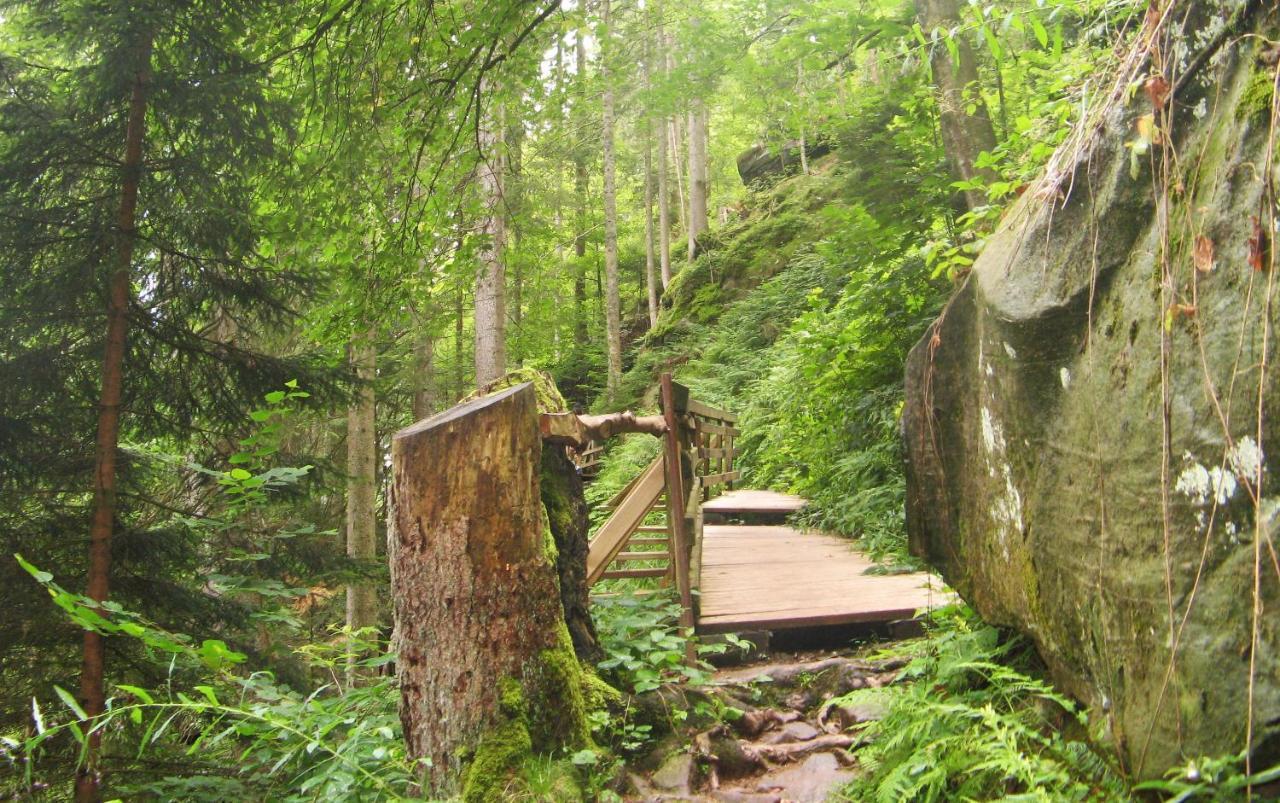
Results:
[1035, 426]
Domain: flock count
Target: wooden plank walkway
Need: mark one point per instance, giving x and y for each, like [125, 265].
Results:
[753, 502]
[777, 578]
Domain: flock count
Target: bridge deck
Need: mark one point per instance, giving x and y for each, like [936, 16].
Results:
[753, 502]
[777, 578]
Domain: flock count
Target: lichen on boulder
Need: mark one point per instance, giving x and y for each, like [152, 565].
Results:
[1082, 426]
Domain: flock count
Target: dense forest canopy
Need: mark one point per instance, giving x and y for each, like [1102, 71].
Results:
[242, 243]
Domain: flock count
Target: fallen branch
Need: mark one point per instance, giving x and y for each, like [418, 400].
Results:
[579, 430]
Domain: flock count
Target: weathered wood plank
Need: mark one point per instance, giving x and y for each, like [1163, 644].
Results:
[613, 534]
[635, 574]
[751, 501]
[774, 578]
[720, 479]
[695, 407]
[715, 453]
[702, 425]
[624, 557]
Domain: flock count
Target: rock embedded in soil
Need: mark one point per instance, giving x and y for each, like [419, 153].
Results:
[798, 731]
[810, 782]
[676, 775]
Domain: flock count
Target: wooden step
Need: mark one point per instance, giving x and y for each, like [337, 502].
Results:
[652, 528]
[625, 574]
[647, 541]
[656, 554]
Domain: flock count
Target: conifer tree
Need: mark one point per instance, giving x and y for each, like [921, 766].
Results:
[125, 194]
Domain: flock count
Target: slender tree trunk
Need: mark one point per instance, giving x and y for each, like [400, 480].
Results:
[513, 209]
[650, 273]
[362, 461]
[491, 313]
[561, 259]
[92, 675]
[664, 206]
[664, 154]
[697, 175]
[964, 135]
[612, 308]
[804, 145]
[677, 145]
[459, 340]
[580, 188]
[425, 399]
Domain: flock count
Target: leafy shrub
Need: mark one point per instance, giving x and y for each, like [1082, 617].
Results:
[973, 722]
[644, 645]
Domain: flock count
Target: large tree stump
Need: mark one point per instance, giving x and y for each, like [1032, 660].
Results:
[486, 669]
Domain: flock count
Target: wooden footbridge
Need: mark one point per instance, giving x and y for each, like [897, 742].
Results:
[490, 569]
[735, 562]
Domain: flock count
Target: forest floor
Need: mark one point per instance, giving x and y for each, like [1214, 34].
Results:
[793, 724]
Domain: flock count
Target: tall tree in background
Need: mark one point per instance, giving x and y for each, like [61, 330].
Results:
[613, 315]
[123, 178]
[580, 191]
[362, 474]
[491, 313]
[965, 134]
[697, 136]
[650, 273]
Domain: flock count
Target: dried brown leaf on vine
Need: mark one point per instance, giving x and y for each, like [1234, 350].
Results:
[1202, 254]
[1157, 89]
[1175, 311]
[1257, 246]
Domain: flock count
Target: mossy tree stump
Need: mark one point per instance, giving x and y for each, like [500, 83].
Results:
[486, 667]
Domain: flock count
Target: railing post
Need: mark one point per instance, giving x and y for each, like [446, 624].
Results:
[680, 536]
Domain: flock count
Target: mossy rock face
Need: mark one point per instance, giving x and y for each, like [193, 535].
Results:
[1035, 433]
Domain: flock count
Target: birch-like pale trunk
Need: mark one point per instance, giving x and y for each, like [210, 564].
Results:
[650, 272]
[613, 314]
[490, 311]
[696, 135]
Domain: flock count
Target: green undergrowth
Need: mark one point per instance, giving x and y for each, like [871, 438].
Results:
[799, 318]
[973, 719]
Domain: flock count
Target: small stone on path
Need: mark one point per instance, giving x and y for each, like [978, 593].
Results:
[810, 782]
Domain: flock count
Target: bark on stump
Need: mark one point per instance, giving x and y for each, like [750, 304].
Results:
[486, 669]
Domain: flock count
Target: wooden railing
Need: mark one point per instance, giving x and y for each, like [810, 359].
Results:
[697, 457]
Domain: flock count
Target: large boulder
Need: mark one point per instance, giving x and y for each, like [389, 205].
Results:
[1082, 426]
[760, 162]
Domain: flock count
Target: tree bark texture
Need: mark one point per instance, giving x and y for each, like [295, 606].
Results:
[650, 272]
[362, 462]
[92, 686]
[580, 191]
[664, 179]
[491, 313]
[664, 205]
[964, 135]
[425, 398]
[697, 136]
[570, 523]
[476, 599]
[612, 308]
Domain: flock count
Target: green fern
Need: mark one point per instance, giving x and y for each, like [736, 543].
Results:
[972, 723]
